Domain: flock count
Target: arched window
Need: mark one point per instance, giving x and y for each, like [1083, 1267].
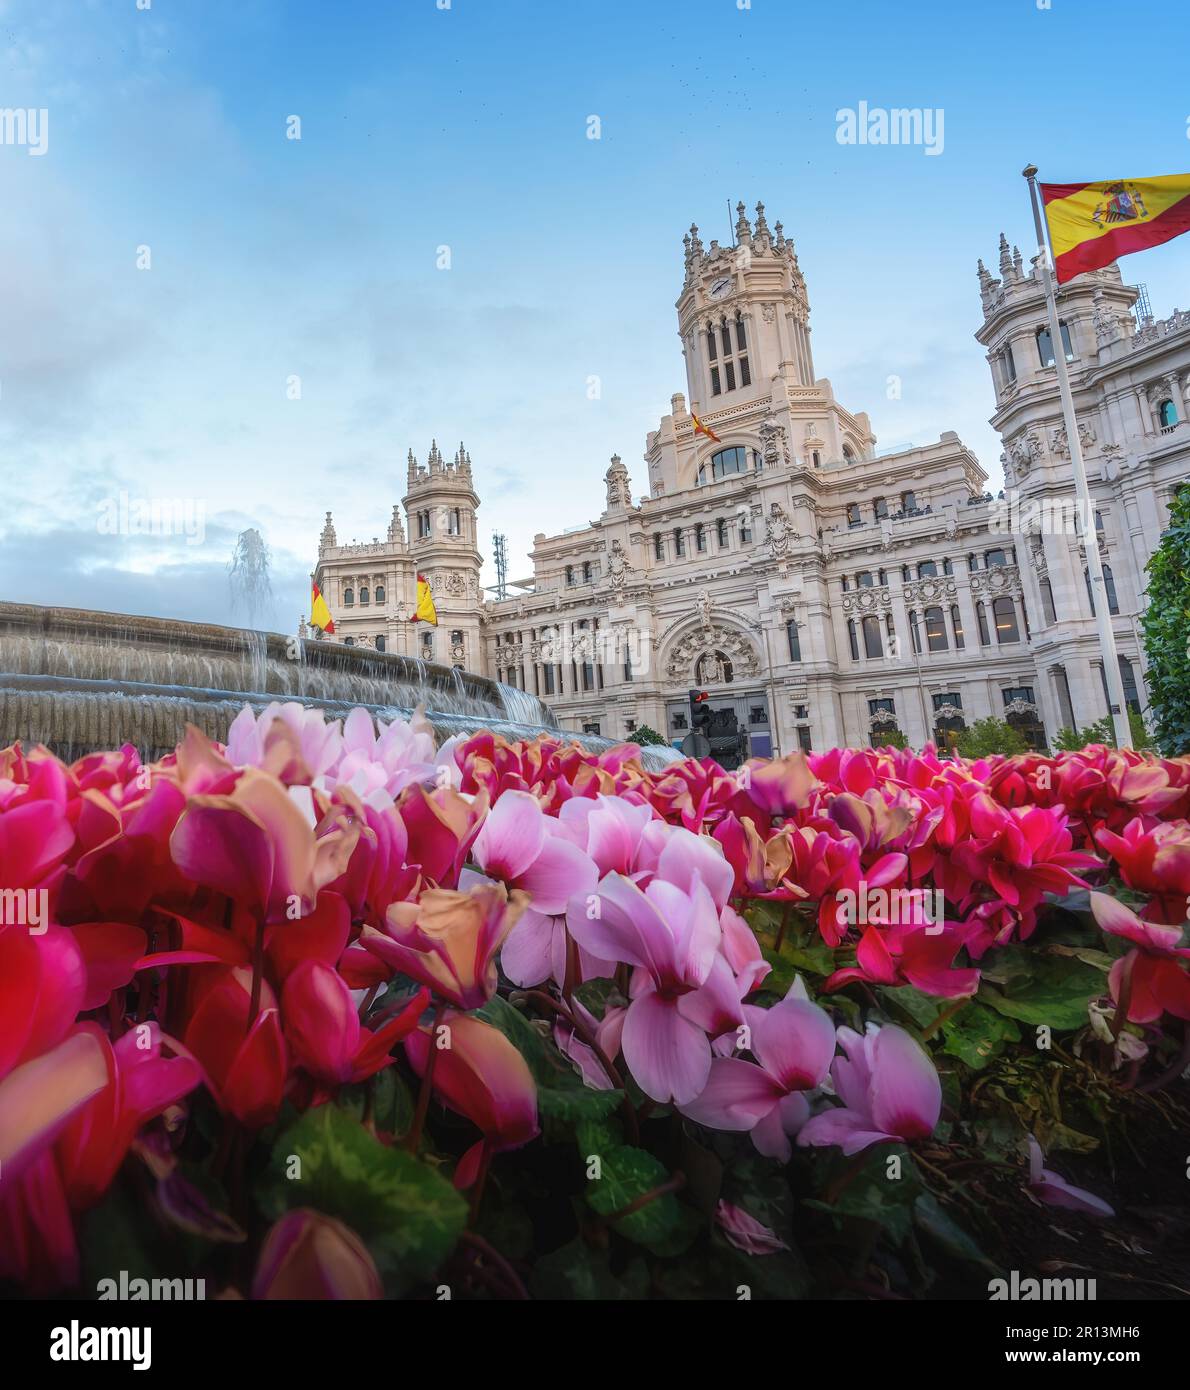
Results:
[456, 522]
[1167, 414]
[1045, 346]
[817, 459]
[381, 644]
[852, 639]
[848, 456]
[981, 617]
[1004, 616]
[935, 630]
[1109, 583]
[956, 625]
[795, 641]
[1128, 677]
[363, 594]
[729, 461]
[1047, 602]
[379, 593]
[349, 597]
[873, 647]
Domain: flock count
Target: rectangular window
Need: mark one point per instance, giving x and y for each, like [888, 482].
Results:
[729, 368]
[700, 538]
[679, 542]
[721, 528]
[658, 546]
[715, 390]
[881, 707]
[548, 671]
[880, 507]
[711, 344]
[745, 374]
[795, 641]
[949, 697]
[726, 334]
[741, 341]
[803, 738]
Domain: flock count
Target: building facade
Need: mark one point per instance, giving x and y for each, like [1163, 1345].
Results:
[821, 593]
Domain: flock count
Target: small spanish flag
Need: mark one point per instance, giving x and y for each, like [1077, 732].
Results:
[426, 612]
[700, 428]
[1091, 224]
[320, 614]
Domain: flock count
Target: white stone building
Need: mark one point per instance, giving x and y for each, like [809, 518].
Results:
[818, 591]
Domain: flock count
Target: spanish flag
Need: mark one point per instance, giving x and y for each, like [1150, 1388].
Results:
[320, 614]
[1091, 224]
[426, 612]
[700, 428]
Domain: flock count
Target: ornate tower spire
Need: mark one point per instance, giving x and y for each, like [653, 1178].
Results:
[1005, 257]
[396, 532]
[1017, 262]
[412, 466]
[780, 230]
[328, 539]
[743, 232]
[762, 227]
[435, 459]
[695, 243]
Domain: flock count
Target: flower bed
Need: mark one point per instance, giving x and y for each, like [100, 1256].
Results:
[334, 1013]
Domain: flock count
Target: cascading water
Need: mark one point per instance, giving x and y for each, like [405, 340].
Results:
[80, 681]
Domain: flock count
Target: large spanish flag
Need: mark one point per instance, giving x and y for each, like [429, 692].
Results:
[320, 614]
[425, 612]
[1091, 224]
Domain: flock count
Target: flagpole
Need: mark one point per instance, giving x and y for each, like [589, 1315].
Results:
[1086, 508]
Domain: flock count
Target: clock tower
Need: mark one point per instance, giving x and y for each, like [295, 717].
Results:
[440, 502]
[743, 315]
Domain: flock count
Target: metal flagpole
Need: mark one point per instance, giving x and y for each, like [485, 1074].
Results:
[1086, 507]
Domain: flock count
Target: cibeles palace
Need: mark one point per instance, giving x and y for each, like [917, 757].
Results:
[825, 593]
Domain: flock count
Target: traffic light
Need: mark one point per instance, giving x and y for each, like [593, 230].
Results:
[700, 711]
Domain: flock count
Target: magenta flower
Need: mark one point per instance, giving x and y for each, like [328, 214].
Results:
[745, 1232]
[889, 1089]
[793, 1043]
[682, 989]
[1057, 1192]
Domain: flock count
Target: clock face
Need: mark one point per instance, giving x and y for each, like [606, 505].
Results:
[720, 287]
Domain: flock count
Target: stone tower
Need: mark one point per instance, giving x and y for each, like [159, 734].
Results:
[440, 504]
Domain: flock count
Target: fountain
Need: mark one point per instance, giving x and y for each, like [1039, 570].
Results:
[79, 681]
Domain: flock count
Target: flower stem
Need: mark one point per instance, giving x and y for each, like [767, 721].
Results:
[423, 1096]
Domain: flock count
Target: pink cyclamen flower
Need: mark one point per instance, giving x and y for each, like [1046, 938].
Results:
[745, 1232]
[683, 987]
[1050, 1187]
[1157, 983]
[793, 1043]
[889, 1089]
[308, 1255]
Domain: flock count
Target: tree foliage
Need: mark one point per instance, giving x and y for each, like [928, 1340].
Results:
[987, 736]
[1166, 626]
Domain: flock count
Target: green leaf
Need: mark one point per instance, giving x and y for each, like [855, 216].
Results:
[663, 1225]
[1056, 993]
[576, 1271]
[561, 1091]
[976, 1034]
[933, 1221]
[408, 1215]
[873, 1195]
[923, 1009]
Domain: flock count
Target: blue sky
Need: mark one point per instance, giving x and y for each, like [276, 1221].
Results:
[467, 128]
